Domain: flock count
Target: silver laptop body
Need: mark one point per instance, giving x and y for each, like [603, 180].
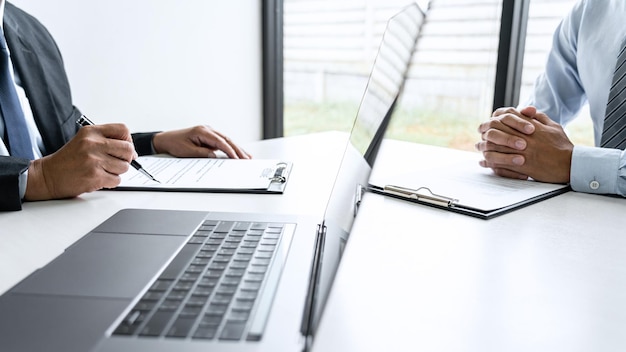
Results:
[113, 289]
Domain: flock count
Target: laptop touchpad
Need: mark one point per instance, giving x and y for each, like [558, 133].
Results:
[104, 265]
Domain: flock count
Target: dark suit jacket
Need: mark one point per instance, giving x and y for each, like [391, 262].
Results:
[39, 64]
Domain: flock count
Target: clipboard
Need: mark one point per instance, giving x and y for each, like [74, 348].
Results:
[424, 196]
[452, 180]
[280, 177]
[264, 176]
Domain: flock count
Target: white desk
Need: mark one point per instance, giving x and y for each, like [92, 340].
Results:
[548, 277]
[31, 238]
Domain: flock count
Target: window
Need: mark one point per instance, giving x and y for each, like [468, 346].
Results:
[329, 48]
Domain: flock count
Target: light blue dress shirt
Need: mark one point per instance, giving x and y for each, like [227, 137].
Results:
[579, 70]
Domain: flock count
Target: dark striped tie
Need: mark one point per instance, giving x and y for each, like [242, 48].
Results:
[14, 122]
[614, 134]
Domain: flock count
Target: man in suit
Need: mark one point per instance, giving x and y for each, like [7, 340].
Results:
[70, 161]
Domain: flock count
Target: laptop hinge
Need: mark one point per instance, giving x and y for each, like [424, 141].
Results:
[306, 329]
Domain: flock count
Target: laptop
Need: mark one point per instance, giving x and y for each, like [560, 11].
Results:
[168, 280]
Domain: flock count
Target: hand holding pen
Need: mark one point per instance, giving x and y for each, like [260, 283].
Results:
[91, 160]
[84, 121]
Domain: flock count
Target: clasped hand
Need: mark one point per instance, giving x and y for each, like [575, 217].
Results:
[525, 143]
[96, 157]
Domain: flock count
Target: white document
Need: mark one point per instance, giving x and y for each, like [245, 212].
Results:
[474, 187]
[202, 174]
[456, 178]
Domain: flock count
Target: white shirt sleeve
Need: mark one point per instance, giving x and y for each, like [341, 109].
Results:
[598, 170]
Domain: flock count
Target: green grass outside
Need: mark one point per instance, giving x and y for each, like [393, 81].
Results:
[428, 127]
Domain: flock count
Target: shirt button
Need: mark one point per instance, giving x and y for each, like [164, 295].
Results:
[594, 185]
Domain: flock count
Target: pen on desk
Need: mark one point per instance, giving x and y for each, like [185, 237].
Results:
[84, 121]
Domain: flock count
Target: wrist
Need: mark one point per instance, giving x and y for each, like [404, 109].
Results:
[156, 143]
[36, 188]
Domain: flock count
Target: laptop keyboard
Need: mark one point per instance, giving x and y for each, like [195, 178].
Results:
[219, 286]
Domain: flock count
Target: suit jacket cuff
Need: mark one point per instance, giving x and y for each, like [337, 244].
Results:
[143, 143]
[10, 171]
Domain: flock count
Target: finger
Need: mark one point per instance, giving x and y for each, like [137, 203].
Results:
[512, 118]
[518, 123]
[504, 172]
[193, 150]
[115, 166]
[502, 160]
[508, 122]
[498, 137]
[505, 110]
[91, 141]
[224, 144]
[198, 149]
[221, 144]
[239, 153]
[110, 181]
[114, 131]
[120, 149]
[209, 138]
[529, 111]
[509, 174]
[483, 127]
[485, 146]
[544, 119]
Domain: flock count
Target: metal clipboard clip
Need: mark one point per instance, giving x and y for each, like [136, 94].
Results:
[429, 197]
[280, 173]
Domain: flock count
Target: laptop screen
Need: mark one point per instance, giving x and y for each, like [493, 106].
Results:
[381, 93]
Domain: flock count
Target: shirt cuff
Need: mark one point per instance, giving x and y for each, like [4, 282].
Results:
[23, 179]
[595, 170]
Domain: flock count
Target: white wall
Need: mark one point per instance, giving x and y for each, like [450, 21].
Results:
[158, 65]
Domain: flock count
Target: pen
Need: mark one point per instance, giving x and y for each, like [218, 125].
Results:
[84, 121]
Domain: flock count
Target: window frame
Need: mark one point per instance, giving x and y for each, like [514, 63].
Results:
[272, 61]
[511, 47]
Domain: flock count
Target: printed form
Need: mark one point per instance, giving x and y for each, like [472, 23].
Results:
[201, 174]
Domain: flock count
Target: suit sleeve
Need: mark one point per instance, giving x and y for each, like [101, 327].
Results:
[143, 143]
[10, 170]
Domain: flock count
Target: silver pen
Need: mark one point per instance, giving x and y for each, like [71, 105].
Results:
[84, 121]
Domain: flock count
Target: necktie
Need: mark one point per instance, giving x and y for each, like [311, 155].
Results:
[15, 125]
[614, 133]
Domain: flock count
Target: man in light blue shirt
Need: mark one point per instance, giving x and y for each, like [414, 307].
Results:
[530, 141]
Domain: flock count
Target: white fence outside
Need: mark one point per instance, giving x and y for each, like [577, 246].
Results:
[329, 47]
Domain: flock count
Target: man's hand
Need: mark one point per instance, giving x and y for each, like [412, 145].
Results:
[92, 160]
[197, 142]
[525, 143]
